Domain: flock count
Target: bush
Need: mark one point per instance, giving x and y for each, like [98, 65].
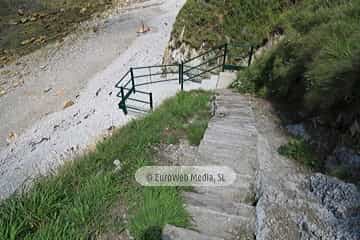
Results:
[317, 63]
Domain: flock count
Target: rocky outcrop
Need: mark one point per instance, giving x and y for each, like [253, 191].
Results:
[178, 51]
[294, 203]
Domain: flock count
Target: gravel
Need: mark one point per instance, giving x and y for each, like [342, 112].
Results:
[50, 135]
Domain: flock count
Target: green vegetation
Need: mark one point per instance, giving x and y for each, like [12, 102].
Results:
[236, 21]
[26, 25]
[318, 63]
[300, 151]
[312, 72]
[80, 201]
[315, 68]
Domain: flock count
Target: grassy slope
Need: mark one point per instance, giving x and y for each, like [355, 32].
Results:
[315, 70]
[216, 21]
[76, 202]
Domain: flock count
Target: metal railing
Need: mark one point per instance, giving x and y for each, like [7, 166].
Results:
[212, 61]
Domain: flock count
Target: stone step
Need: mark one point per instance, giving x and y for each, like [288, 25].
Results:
[230, 128]
[220, 204]
[175, 233]
[243, 163]
[237, 193]
[219, 224]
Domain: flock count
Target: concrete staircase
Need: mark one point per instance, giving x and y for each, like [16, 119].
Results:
[230, 140]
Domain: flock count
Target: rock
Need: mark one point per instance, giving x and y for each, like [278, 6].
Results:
[117, 164]
[28, 41]
[40, 40]
[2, 93]
[42, 15]
[43, 67]
[24, 20]
[68, 104]
[20, 12]
[298, 130]
[344, 159]
[47, 90]
[355, 128]
[11, 137]
[342, 199]
[83, 10]
[143, 28]
[98, 92]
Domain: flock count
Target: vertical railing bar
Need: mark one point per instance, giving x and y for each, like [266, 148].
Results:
[123, 101]
[179, 67]
[132, 79]
[182, 75]
[225, 55]
[151, 101]
[250, 55]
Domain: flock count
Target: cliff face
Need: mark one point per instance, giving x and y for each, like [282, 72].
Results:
[177, 50]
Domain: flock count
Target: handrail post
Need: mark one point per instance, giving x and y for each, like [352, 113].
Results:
[122, 92]
[225, 55]
[122, 103]
[179, 73]
[182, 75]
[132, 80]
[151, 101]
[250, 55]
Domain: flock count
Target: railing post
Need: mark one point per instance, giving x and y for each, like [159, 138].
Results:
[132, 80]
[250, 55]
[122, 103]
[225, 56]
[151, 101]
[182, 75]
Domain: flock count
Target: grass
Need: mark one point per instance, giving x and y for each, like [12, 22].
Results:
[216, 22]
[298, 149]
[44, 22]
[75, 202]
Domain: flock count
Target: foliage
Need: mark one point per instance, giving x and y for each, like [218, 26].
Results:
[217, 21]
[300, 151]
[317, 63]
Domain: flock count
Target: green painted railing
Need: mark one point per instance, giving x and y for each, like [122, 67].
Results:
[214, 60]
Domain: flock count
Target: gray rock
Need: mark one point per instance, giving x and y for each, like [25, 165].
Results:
[298, 130]
[342, 199]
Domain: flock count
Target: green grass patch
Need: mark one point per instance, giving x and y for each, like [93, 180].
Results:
[297, 149]
[317, 63]
[75, 203]
[217, 21]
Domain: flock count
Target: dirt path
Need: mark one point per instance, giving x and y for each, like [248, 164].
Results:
[84, 69]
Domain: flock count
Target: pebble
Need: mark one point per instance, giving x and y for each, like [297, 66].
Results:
[68, 104]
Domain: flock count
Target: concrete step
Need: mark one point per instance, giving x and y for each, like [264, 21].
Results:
[234, 193]
[174, 233]
[219, 224]
[219, 204]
